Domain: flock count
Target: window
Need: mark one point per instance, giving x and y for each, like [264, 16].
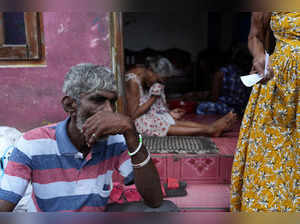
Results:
[21, 37]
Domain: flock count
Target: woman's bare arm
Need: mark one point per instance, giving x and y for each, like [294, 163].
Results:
[256, 38]
[133, 99]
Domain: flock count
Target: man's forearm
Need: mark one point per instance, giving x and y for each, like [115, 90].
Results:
[146, 178]
[6, 206]
[148, 184]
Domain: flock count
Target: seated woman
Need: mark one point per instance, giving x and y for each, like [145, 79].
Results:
[147, 106]
[228, 93]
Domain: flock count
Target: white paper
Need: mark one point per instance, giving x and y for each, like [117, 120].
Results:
[266, 62]
[250, 80]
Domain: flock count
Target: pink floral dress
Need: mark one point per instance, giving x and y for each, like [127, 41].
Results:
[157, 120]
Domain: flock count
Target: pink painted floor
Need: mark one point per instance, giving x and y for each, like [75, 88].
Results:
[204, 197]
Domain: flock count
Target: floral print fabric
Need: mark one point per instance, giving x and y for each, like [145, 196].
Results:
[265, 173]
[157, 120]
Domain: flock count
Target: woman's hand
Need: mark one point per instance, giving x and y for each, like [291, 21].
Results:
[156, 89]
[259, 67]
[177, 113]
[259, 64]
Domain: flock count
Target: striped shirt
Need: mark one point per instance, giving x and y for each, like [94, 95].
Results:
[61, 179]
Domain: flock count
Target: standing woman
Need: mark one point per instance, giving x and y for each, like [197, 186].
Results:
[265, 173]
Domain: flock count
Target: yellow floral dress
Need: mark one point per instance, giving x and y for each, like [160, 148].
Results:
[265, 173]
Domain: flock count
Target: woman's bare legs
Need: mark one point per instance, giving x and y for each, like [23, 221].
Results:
[193, 128]
[224, 124]
[189, 124]
[189, 131]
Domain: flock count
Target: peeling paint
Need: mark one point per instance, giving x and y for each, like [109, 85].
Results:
[94, 27]
[61, 28]
[100, 24]
[106, 37]
[96, 20]
[94, 42]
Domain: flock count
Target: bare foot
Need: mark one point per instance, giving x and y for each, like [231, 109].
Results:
[223, 124]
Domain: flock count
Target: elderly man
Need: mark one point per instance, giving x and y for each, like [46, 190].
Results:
[70, 164]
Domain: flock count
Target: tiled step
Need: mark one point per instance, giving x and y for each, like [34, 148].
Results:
[204, 198]
[194, 169]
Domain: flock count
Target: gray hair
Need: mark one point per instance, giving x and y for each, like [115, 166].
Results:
[160, 65]
[86, 78]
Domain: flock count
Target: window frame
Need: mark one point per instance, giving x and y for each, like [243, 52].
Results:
[30, 54]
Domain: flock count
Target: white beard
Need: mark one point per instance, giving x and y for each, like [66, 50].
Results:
[80, 121]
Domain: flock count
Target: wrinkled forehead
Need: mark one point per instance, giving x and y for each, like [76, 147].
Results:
[107, 94]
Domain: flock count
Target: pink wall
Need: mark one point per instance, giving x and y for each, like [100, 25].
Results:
[30, 97]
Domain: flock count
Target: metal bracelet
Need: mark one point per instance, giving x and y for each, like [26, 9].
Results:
[138, 148]
[144, 163]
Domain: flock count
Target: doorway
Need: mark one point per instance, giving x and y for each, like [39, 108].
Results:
[185, 39]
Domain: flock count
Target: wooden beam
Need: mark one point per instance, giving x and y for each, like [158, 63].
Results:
[2, 34]
[32, 34]
[117, 56]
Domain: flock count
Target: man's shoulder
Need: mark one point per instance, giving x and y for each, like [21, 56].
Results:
[44, 132]
[38, 141]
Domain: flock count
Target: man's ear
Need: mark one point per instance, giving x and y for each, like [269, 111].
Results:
[69, 105]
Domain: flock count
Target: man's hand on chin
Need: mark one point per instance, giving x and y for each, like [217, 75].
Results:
[105, 123]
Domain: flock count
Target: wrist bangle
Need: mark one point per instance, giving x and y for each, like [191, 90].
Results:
[138, 148]
[144, 163]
